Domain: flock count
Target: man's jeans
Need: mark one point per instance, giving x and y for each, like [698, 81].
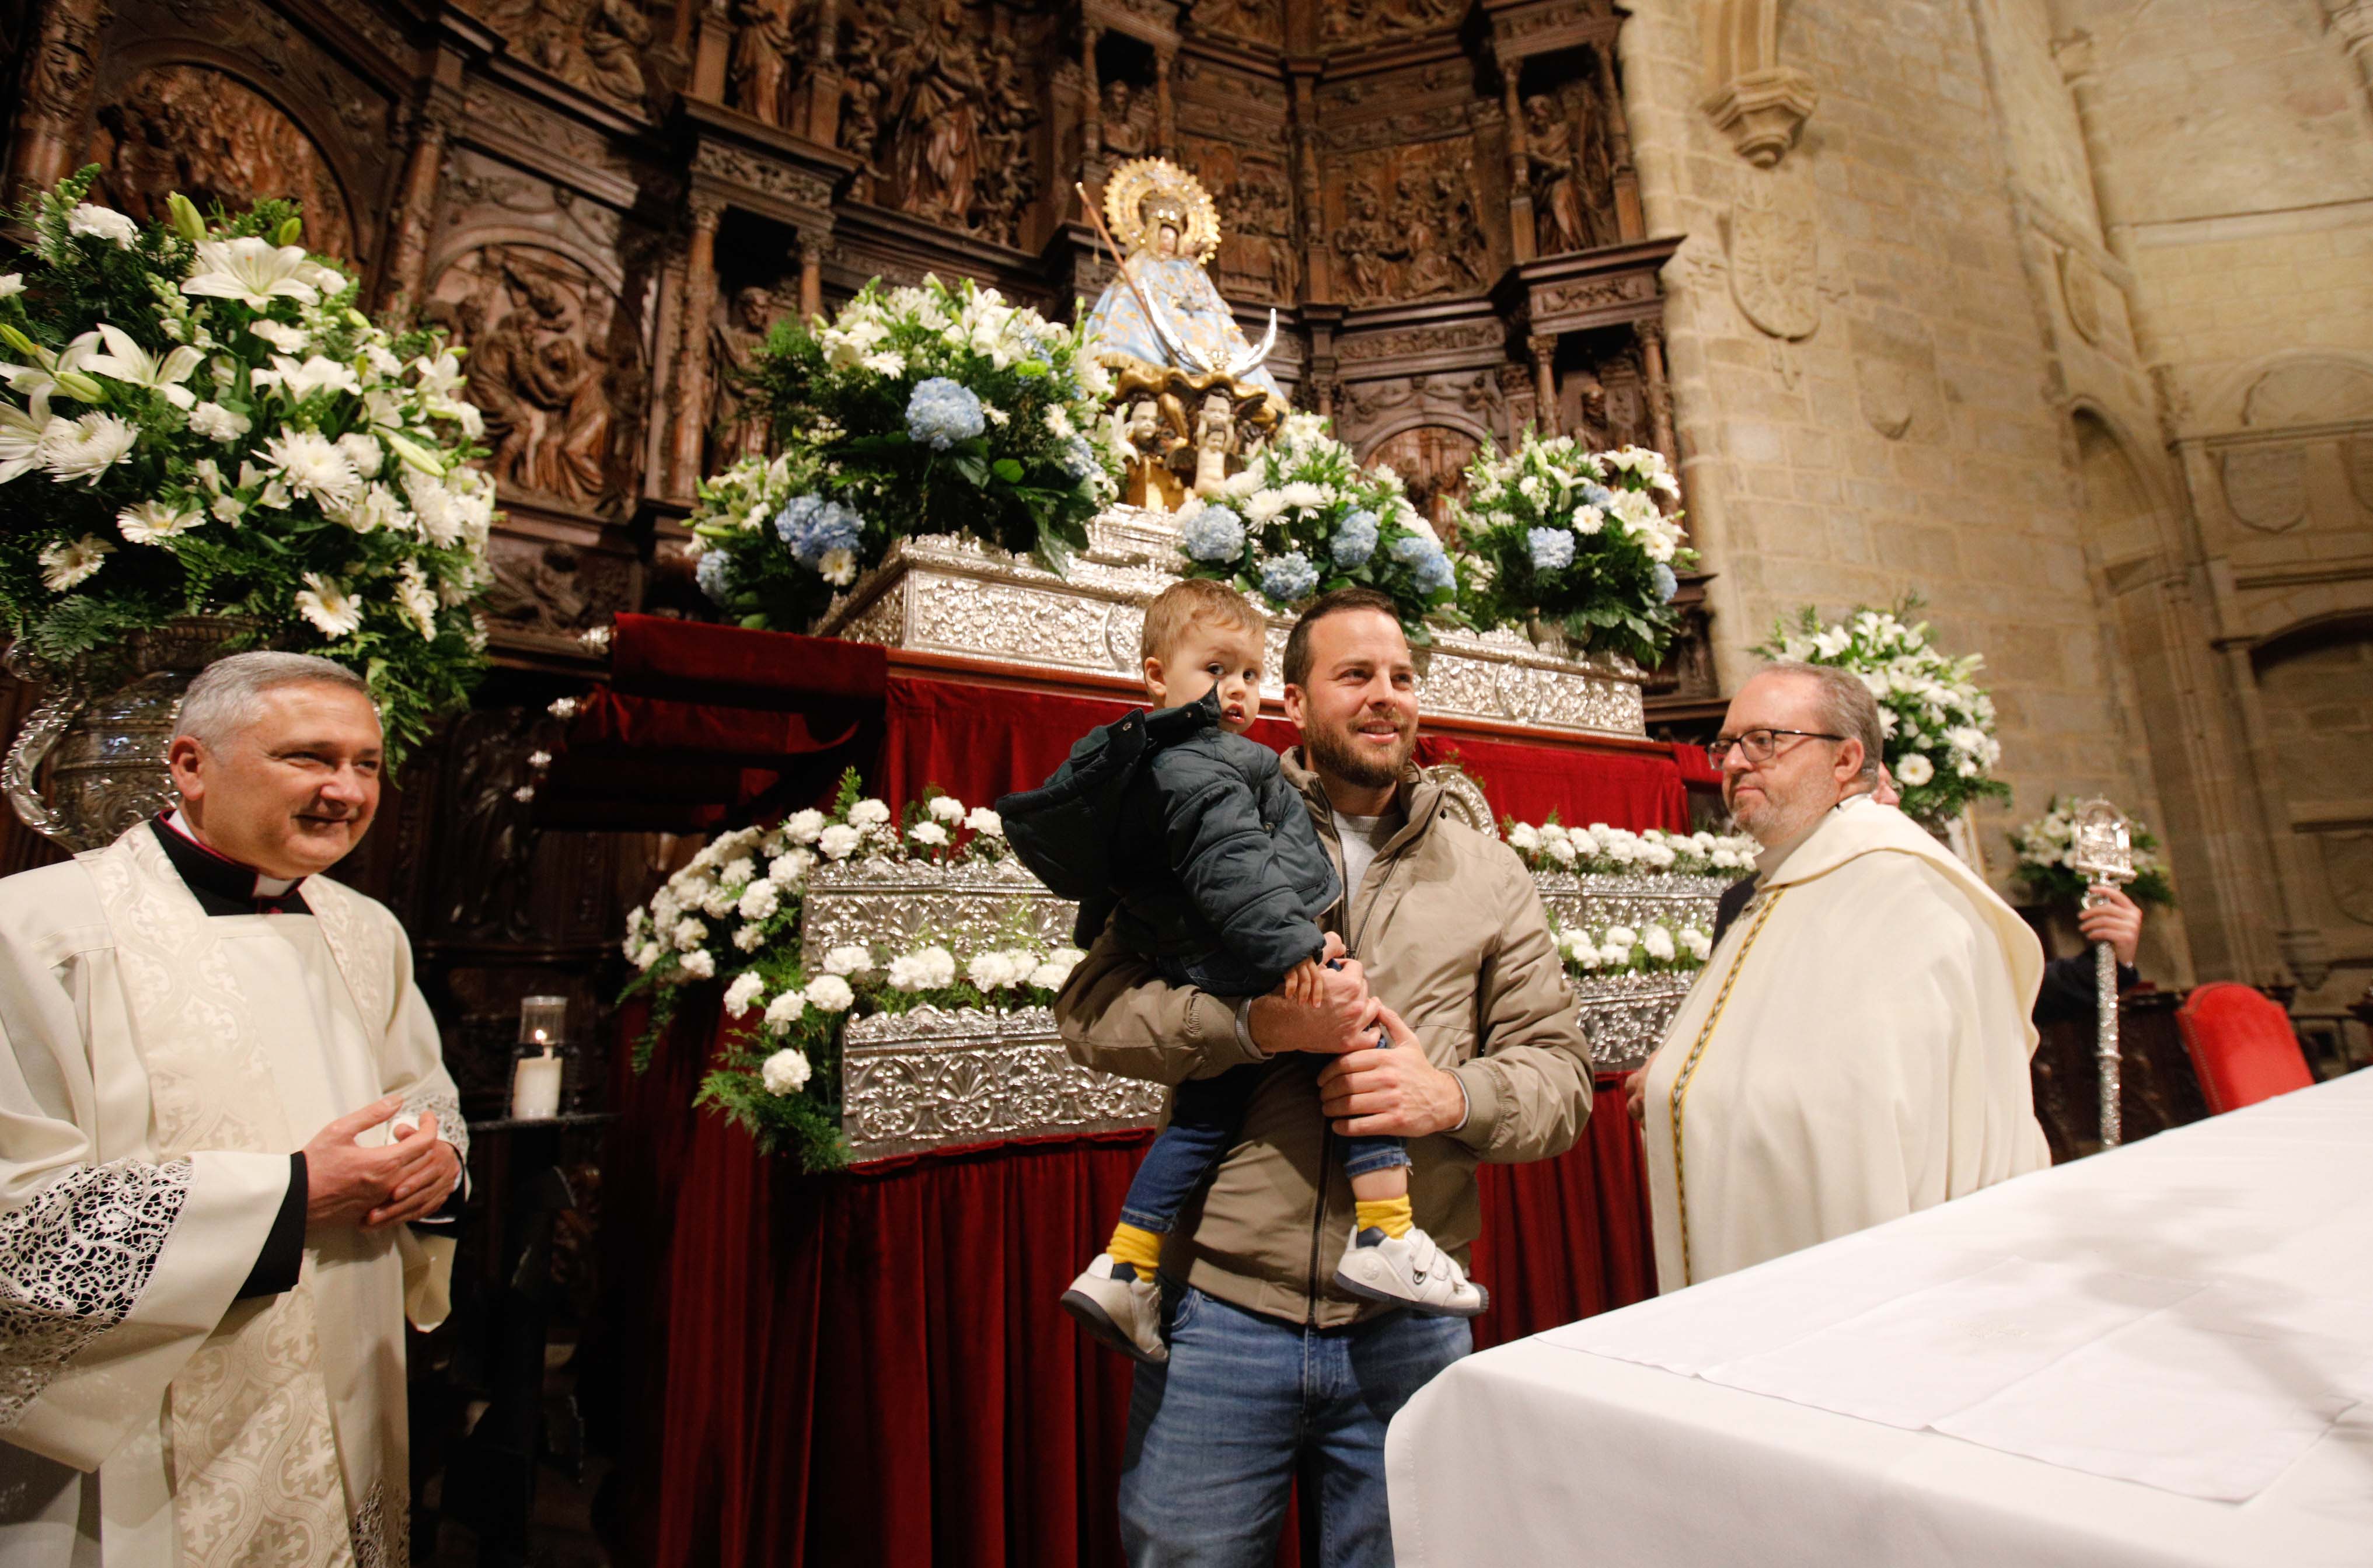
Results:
[1214, 1435]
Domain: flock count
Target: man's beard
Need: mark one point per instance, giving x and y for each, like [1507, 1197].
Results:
[1332, 750]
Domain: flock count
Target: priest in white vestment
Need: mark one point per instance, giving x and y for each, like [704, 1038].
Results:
[1856, 1047]
[222, 1114]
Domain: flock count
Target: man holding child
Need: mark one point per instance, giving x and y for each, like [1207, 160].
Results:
[1270, 1362]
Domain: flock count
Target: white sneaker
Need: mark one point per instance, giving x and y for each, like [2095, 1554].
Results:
[1409, 1271]
[1120, 1309]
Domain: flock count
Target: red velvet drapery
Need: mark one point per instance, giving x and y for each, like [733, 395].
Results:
[871, 1368]
[976, 742]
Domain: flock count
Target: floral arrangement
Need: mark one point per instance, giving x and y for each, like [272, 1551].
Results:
[1939, 723]
[1304, 519]
[1601, 851]
[1579, 538]
[2046, 848]
[942, 409]
[1650, 949]
[209, 426]
[733, 914]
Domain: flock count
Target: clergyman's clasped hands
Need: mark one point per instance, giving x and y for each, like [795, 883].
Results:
[407, 1178]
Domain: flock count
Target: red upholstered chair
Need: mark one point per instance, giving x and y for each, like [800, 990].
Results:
[2243, 1050]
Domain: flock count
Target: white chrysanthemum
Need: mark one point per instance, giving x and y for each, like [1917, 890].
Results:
[981, 820]
[86, 448]
[148, 521]
[803, 828]
[102, 223]
[784, 1072]
[364, 452]
[830, 993]
[66, 563]
[326, 602]
[1263, 505]
[866, 814]
[837, 567]
[788, 870]
[415, 599]
[849, 960]
[216, 423]
[313, 466]
[760, 900]
[1915, 769]
[784, 1011]
[947, 808]
[839, 841]
[1524, 837]
[743, 994]
[928, 833]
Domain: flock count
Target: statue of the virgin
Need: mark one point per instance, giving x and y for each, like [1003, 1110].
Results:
[1187, 376]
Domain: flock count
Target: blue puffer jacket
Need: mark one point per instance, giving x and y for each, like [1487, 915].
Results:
[1193, 836]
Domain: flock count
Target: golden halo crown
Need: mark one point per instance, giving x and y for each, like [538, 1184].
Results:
[1133, 183]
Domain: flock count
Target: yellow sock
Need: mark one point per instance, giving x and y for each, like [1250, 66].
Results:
[1390, 1215]
[1140, 1249]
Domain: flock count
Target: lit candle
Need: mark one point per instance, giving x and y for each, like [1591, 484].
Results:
[535, 1087]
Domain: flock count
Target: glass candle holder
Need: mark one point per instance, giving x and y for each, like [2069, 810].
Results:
[537, 1072]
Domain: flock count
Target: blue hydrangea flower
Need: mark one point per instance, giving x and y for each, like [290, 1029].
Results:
[710, 574]
[1667, 583]
[1214, 533]
[940, 413]
[1289, 578]
[813, 528]
[1355, 541]
[1426, 560]
[1597, 495]
[1552, 548]
[1077, 458]
[791, 524]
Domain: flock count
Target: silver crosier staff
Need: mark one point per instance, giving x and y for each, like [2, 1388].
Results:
[2104, 857]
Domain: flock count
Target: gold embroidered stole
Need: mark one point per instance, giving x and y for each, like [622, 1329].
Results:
[253, 1453]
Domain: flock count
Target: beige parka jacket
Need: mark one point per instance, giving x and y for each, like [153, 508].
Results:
[1453, 939]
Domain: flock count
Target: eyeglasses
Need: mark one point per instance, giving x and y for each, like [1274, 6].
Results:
[1758, 745]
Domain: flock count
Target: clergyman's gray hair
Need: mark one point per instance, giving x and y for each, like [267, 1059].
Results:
[1845, 707]
[227, 695]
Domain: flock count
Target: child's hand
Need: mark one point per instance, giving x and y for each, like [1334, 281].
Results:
[1302, 985]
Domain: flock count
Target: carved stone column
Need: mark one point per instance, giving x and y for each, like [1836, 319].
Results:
[1659, 393]
[712, 50]
[407, 239]
[811, 276]
[1521, 234]
[1516, 399]
[1091, 110]
[2074, 54]
[818, 118]
[1544, 352]
[57, 94]
[692, 352]
[1317, 274]
[1165, 118]
[1630, 221]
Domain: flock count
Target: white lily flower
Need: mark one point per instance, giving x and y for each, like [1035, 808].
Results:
[20, 435]
[126, 361]
[254, 271]
[298, 382]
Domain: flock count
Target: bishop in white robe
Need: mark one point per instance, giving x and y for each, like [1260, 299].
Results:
[191, 1373]
[1856, 1047]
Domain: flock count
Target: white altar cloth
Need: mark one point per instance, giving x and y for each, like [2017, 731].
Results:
[2194, 1312]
